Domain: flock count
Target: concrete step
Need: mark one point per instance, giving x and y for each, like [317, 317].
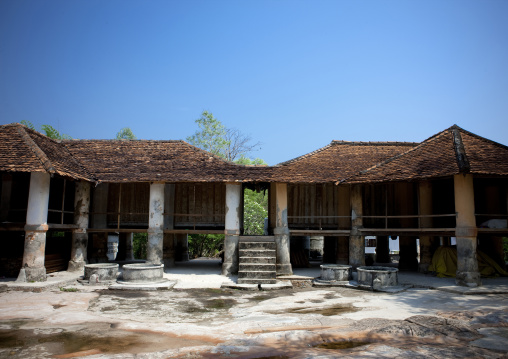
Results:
[256, 281]
[257, 245]
[257, 274]
[256, 267]
[257, 252]
[261, 260]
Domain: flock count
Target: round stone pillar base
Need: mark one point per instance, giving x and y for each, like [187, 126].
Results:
[76, 266]
[284, 269]
[468, 279]
[32, 274]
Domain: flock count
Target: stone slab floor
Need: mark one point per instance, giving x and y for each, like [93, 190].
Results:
[76, 321]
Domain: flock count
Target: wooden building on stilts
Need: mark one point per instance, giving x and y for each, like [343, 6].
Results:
[61, 201]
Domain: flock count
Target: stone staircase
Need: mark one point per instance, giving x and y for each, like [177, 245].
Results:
[257, 260]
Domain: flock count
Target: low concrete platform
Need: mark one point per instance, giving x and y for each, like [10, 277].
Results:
[206, 273]
[164, 285]
[352, 284]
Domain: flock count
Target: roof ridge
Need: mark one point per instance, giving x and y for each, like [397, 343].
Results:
[375, 143]
[478, 136]
[391, 159]
[197, 149]
[460, 151]
[304, 156]
[39, 153]
[74, 140]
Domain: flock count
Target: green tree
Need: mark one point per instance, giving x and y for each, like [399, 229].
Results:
[205, 245]
[233, 146]
[48, 130]
[211, 135]
[139, 245]
[51, 132]
[255, 201]
[214, 137]
[125, 134]
[28, 124]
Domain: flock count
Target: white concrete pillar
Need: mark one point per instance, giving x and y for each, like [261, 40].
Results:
[156, 224]
[35, 229]
[465, 232]
[80, 235]
[281, 230]
[356, 240]
[232, 228]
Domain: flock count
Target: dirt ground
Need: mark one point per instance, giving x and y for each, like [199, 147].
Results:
[303, 322]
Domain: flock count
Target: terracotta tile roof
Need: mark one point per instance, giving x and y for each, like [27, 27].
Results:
[26, 150]
[447, 153]
[339, 159]
[170, 161]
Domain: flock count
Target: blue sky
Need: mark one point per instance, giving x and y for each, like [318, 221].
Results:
[293, 75]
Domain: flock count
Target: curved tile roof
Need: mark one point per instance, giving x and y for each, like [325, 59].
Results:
[447, 153]
[338, 160]
[145, 160]
[26, 150]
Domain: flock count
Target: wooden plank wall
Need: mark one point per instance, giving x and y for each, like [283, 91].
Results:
[134, 204]
[307, 200]
[205, 202]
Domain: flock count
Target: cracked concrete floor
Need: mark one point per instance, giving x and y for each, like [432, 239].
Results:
[214, 323]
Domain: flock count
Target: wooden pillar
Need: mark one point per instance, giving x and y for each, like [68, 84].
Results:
[33, 269]
[466, 232]
[342, 256]
[154, 250]
[232, 228]
[356, 239]
[407, 244]
[169, 238]
[80, 235]
[427, 242]
[281, 230]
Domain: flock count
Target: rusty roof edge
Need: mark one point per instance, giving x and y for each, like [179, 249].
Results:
[41, 156]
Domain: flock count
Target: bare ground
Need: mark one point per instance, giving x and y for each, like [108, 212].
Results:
[304, 322]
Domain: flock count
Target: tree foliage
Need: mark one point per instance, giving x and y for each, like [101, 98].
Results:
[214, 137]
[125, 134]
[205, 245]
[211, 135]
[139, 245]
[48, 130]
[51, 132]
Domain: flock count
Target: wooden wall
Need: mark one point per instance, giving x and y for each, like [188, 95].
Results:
[307, 200]
[200, 205]
[205, 204]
